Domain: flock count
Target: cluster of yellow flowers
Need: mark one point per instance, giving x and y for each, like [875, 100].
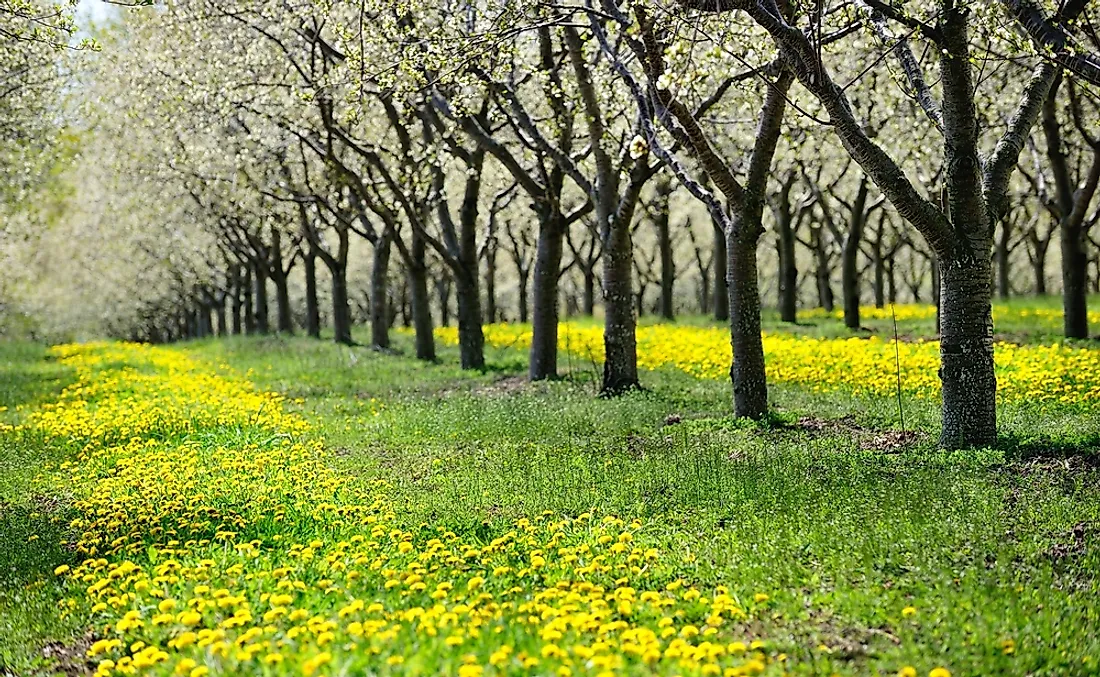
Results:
[1047, 317]
[1056, 374]
[206, 550]
[125, 391]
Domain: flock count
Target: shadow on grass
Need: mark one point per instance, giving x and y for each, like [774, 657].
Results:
[1084, 449]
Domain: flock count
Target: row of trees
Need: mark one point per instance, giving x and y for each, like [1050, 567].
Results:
[237, 147]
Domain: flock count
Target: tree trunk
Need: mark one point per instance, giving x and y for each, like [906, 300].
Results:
[341, 308]
[471, 339]
[421, 313]
[419, 300]
[491, 284]
[236, 299]
[379, 293]
[750, 385]
[788, 270]
[620, 367]
[521, 290]
[1039, 265]
[721, 292]
[966, 352]
[544, 320]
[1075, 264]
[1002, 255]
[223, 329]
[263, 326]
[589, 299]
[282, 303]
[664, 244]
[249, 305]
[313, 310]
[825, 297]
[850, 262]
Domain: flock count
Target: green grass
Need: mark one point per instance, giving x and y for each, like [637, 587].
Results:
[842, 531]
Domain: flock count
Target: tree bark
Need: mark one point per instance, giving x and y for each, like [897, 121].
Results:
[491, 314]
[721, 292]
[750, 386]
[379, 293]
[341, 309]
[788, 265]
[850, 262]
[249, 305]
[471, 338]
[313, 310]
[236, 299]
[263, 326]
[419, 300]
[544, 318]
[222, 324]
[282, 303]
[822, 272]
[966, 353]
[620, 367]
[664, 244]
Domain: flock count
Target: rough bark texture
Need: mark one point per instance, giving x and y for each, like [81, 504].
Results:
[966, 352]
[379, 293]
[620, 371]
[750, 386]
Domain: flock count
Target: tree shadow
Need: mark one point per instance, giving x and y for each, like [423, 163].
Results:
[1084, 450]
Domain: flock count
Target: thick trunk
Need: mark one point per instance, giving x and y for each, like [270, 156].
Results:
[471, 339]
[620, 367]
[379, 293]
[966, 353]
[1075, 265]
[313, 310]
[849, 279]
[544, 316]
[263, 326]
[421, 313]
[341, 308]
[720, 291]
[282, 304]
[750, 386]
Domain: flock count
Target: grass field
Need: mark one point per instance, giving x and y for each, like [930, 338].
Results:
[271, 506]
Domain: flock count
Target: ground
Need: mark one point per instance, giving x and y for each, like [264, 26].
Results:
[243, 505]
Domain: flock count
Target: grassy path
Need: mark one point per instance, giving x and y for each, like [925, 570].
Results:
[383, 517]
